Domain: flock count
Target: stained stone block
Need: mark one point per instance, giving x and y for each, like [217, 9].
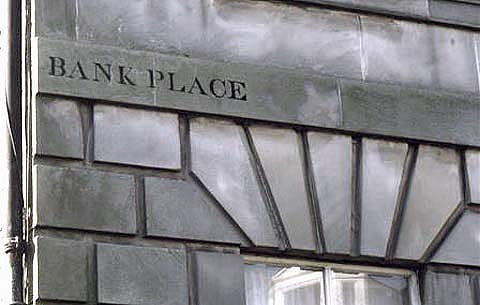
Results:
[84, 199]
[411, 113]
[60, 270]
[280, 155]
[402, 7]
[214, 287]
[419, 55]
[455, 11]
[58, 128]
[433, 196]
[221, 161]
[382, 166]
[55, 18]
[233, 31]
[137, 137]
[447, 289]
[180, 209]
[473, 169]
[141, 275]
[462, 245]
[332, 168]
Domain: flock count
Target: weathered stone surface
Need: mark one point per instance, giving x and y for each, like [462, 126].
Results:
[332, 168]
[137, 137]
[419, 55]
[401, 7]
[455, 11]
[411, 113]
[58, 128]
[433, 196]
[473, 170]
[221, 162]
[447, 289]
[280, 155]
[84, 199]
[219, 278]
[60, 269]
[322, 40]
[258, 279]
[382, 167]
[180, 209]
[267, 92]
[462, 245]
[55, 18]
[141, 275]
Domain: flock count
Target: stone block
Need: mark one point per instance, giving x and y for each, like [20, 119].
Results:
[280, 153]
[472, 158]
[55, 19]
[221, 161]
[447, 289]
[331, 156]
[218, 287]
[455, 11]
[419, 55]
[61, 268]
[58, 128]
[141, 275]
[180, 209]
[253, 32]
[462, 245]
[433, 196]
[137, 137]
[382, 167]
[84, 199]
[410, 113]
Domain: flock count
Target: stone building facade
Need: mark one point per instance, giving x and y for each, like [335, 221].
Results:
[211, 152]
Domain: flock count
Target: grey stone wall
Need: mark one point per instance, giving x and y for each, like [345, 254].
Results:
[358, 143]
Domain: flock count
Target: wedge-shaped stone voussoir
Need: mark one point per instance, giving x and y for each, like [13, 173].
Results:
[61, 269]
[382, 168]
[462, 245]
[84, 199]
[58, 128]
[331, 157]
[141, 275]
[433, 196]
[181, 209]
[221, 162]
[137, 137]
[281, 157]
[219, 287]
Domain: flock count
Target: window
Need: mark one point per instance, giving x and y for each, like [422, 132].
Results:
[284, 282]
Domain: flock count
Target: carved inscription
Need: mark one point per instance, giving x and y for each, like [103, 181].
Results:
[220, 88]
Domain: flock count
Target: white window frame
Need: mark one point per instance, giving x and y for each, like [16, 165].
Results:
[328, 270]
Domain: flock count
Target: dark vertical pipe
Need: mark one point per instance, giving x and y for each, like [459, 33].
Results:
[11, 141]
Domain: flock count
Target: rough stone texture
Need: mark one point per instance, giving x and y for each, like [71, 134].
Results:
[462, 245]
[84, 199]
[221, 162]
[137, 137]
[382, 167]
[401, 7]
[180, 209]
[433, 196]
[411, 113]
[280, 155]
[60, 269]
[234, 31]
[141, 275]
[447, 289]
[219, 278]
[455, 11]
[473, 170]
[419, 55]
[332, 168]
[58, 128]
[55, 18]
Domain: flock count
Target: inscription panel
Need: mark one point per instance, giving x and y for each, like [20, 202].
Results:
[164, 81]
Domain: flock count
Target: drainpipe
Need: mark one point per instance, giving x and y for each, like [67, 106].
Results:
[11, 202]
